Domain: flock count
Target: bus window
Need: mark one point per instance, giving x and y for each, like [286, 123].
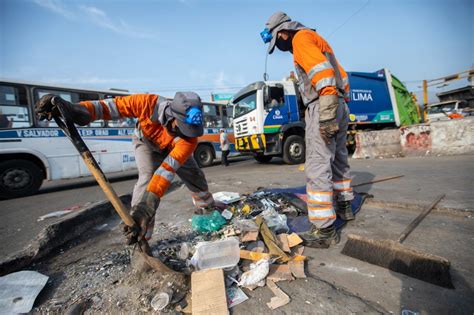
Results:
[14, 111]
[72, 97]
[122, 123]
[212, 117]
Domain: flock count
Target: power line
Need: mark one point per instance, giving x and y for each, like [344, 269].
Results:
[350, 17]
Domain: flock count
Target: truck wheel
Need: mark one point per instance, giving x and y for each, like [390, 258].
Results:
[294, 150]
[204, 155]
[19, 178]
[263, 158]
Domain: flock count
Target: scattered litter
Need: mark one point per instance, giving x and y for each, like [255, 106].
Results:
[271, 241]
[160, 301]
[256, 275]
[227, 214]
[246, 225]
[293, 240]
[19, 290]
[280, 273]
[255, 256]
[55, 214]
[249, 236]
[297, 268]
[280, 297]
[208, 223]
[217, 254]
[283, 242]
[235, 296]
[226, 197]
[208, 292]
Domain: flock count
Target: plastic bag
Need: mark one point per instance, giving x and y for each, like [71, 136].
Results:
[275, 221]
[208, 223]
[256, 274]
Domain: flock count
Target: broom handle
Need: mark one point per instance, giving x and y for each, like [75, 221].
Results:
[418, 219]
[377, 180]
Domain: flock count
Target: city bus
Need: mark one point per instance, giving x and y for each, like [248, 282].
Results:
[216, 116]
[32, 151]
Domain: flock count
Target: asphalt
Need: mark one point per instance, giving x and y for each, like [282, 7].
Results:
[336, 283]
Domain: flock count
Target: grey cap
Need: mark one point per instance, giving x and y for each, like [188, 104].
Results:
[180, 109]
[280, 21]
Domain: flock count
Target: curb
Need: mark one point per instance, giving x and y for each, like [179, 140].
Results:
[417, 206]
[69, 227]
[58, 233]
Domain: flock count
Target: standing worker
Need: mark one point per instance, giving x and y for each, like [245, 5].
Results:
[164, 140]
[324, 86]
[224, 139]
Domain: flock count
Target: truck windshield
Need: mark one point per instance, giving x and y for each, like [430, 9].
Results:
[439, 109]
[245, 104]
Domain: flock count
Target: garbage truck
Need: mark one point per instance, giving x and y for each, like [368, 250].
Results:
[269, 115]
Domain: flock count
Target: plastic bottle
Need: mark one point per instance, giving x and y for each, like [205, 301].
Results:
[217, 254]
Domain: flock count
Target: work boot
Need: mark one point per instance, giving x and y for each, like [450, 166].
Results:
[320, 238]
[344, 210]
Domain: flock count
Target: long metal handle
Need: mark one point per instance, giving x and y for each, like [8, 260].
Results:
[418, 219]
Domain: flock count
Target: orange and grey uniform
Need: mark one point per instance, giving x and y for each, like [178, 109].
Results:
[159, 155]
[327, 168]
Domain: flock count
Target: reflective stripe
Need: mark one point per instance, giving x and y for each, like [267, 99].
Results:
[99, 113]
[342, 185]
[114, 113]
[321, 214]
[345, 81]
[154, 116]
[172, 162]
[163, 172]
[325, 82]
[176, 139]
[319, 197]
[318, 68]
[203, 199]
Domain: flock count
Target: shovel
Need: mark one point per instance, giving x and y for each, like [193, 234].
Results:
[67, 125]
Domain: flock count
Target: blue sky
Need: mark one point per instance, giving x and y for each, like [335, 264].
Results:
[214, 46]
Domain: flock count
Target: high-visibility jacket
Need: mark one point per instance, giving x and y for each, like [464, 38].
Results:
[144, 107]
[317, 67]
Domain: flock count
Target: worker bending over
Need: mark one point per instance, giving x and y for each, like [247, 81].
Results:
[164, 141]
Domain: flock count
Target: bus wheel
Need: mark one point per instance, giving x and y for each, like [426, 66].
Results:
[204, 155]
[263, 158]
[294, 150]
[19, 178]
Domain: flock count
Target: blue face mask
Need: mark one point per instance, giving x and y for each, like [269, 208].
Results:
[193, 116]
[266, 35]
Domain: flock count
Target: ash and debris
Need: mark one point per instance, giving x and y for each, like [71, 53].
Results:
[86, 279]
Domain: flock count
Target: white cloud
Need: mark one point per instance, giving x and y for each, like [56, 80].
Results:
[96, 16]
[56, 6]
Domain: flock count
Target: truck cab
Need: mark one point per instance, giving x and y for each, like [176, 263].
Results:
[268, 121]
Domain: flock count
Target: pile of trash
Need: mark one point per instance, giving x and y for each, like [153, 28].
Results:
[251, 243]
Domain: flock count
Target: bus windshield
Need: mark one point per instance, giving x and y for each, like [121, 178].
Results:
[245, 104]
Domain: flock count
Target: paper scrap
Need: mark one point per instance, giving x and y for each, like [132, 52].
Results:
[235, 296]
[19, 290]
[294, 239]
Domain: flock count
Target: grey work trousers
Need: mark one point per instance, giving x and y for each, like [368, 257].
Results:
[149, 158]
[327, 168]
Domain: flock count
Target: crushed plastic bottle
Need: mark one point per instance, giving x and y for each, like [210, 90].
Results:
[217, 254]
[208, 222]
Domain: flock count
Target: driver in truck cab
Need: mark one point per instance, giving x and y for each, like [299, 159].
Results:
[165, 139]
